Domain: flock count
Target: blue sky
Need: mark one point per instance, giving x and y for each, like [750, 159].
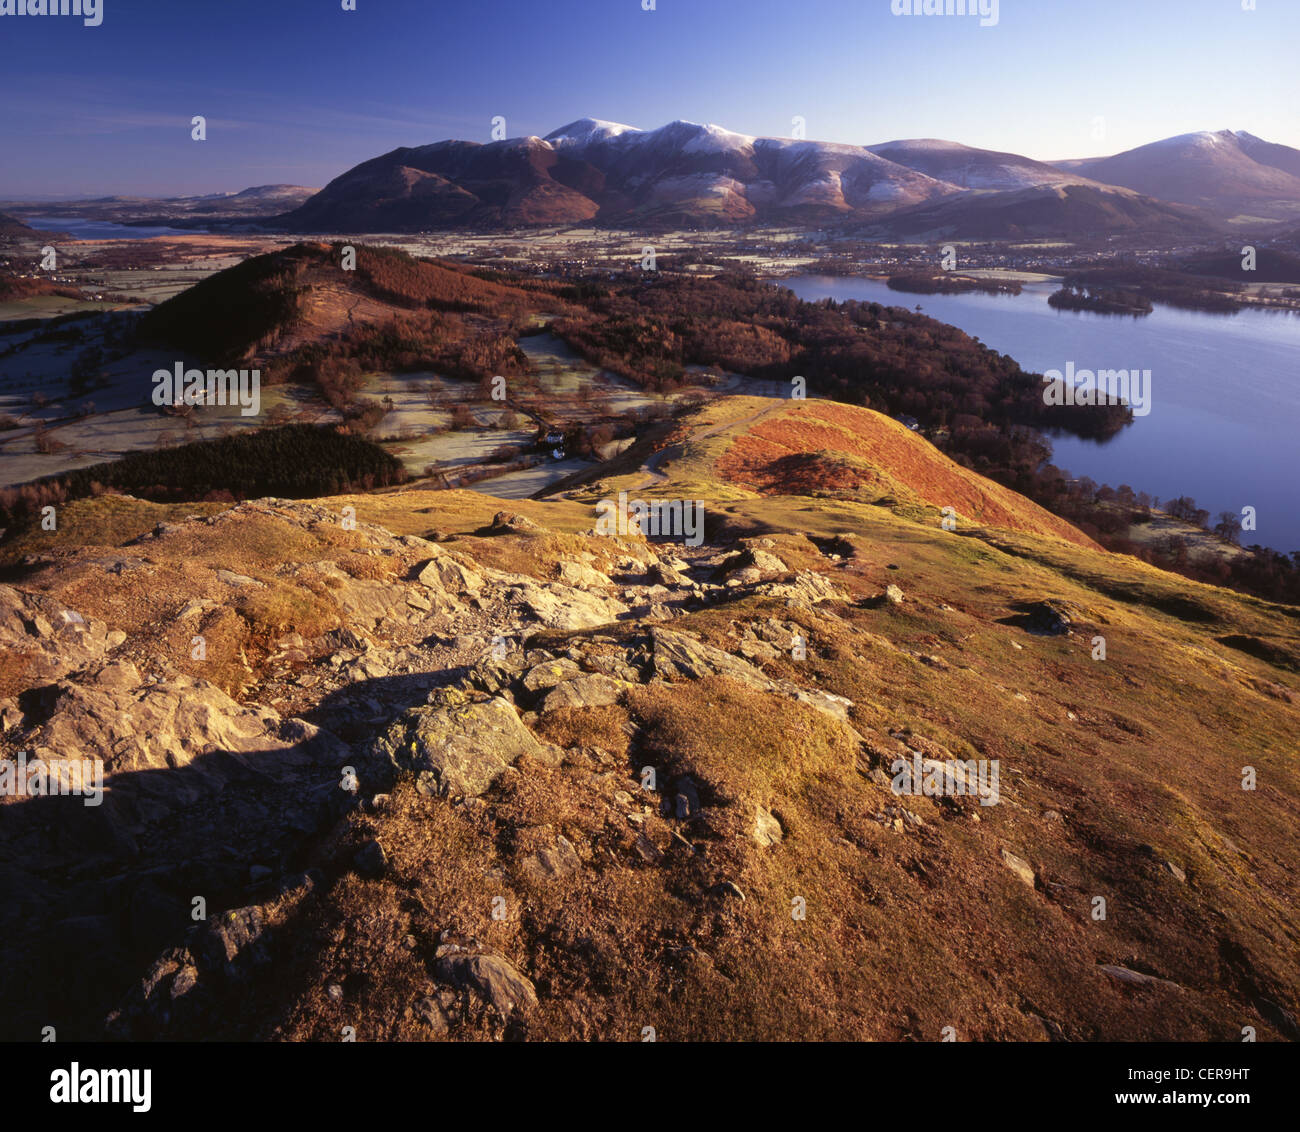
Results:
[299, 90]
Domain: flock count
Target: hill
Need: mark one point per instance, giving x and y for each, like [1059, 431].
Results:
[1271, 266]
[446, 772]
[275, 303]
[13, 229]
[1225, 172]
[301, 316]
[971, 168]
[1075, 210]
[840, 451]
[202, 211]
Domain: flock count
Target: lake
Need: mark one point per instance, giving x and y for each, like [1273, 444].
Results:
[1225, 392]
[79, 228]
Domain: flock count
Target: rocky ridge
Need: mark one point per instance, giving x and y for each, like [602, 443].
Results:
[459, 786]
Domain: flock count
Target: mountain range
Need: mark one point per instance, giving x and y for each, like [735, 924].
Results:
[685, 173]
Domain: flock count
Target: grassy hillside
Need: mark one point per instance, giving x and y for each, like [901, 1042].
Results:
[1121, 773]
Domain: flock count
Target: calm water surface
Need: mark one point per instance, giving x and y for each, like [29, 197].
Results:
[79, 228]
[1225, 392]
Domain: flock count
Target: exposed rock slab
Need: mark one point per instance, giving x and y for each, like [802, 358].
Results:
[464, 748]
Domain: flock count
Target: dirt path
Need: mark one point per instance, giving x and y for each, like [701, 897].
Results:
[650, 468]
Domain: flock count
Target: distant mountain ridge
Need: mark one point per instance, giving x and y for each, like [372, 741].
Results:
[971, 168]
[1228, 172]
[244, 206]
[594, 170]
[603, 172]
[1078, 210]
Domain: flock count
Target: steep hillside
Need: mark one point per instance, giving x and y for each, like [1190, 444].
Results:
[521, 181]
[12, 229]
[1077, 210]
[276, 302]
[972, 168]
[1225, 172]
[446, 772]
[829, 449]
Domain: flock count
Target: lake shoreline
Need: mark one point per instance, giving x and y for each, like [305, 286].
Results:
[1222, 387]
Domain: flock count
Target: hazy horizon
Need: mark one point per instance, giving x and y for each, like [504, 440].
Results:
[299, 95]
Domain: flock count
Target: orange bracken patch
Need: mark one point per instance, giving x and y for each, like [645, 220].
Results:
[758, 459]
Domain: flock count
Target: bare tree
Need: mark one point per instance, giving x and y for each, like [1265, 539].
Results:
[1228, 527]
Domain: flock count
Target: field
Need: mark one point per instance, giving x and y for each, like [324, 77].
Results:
[62, 422]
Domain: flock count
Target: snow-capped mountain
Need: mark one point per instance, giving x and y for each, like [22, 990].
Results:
[683, 172]
[689, 173]
[1227, 172]
[970, 168]
[587, 130]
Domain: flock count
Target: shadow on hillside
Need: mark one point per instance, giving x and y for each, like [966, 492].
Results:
[1267, 651]
[91, 895]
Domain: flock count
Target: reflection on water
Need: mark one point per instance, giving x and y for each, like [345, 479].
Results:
[81, 229]
[1225, 391]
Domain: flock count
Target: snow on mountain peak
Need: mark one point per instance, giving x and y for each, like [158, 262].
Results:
[585, 131]
[1205, 139]
[921, 144]
[693, 137]
[716, 137]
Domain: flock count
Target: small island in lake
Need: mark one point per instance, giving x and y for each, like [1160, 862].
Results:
[1100, 301]
[944, 283]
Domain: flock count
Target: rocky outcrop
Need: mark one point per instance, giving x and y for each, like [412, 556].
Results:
[458, 750]
[805, 589]
[215, 964]
[679, 657]
[495, 978]
[564, 607]
[597, 764]
[46, 640]
[133, 724]
[587, 690]
[582, 575]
